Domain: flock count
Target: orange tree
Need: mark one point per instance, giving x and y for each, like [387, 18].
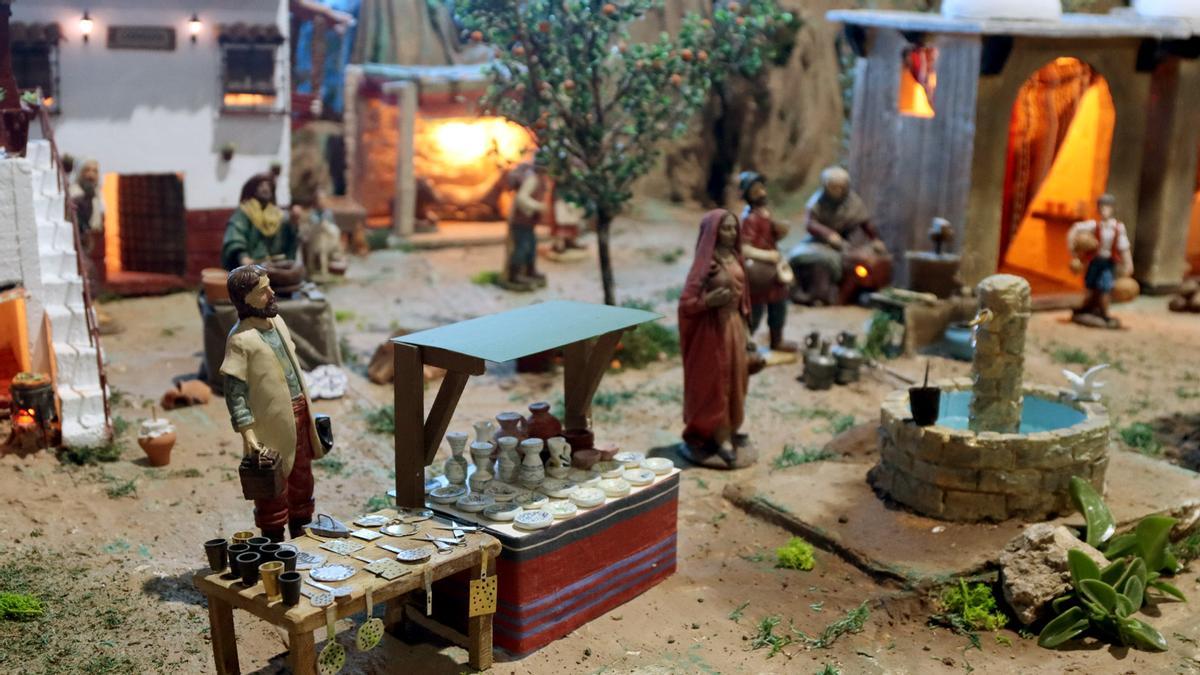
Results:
[597, 103]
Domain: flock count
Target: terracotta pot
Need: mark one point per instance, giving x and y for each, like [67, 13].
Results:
[585, 459]
[158, 448]
[579, 439]
[285, 276]
[607, 450]
[215, 284]
[541, 424]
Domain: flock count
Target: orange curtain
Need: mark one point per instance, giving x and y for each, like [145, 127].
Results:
[1041, 116]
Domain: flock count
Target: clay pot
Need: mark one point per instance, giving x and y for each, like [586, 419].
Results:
[286, 276]
[607, 450]
[584, 459]
[215, 287]
[579, 439]
[541, 423]
[511, 424]
[158, 448]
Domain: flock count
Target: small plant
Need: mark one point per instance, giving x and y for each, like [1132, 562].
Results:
[611, 399]
[343, 315]
[1188, 548]
[879, 333]
[332, 464]
[109, 452]
[1141, 437]
[766, 637]
[20, 607]
[349, 356]
[841, 423]
[791, 457]
[378, 503]
[486, 278]
[852, 622]
[669, 257]
[382, 420]
[377, 239]
[970, 607]
[797, 554]
[829, 669]
[1070, 355]
[647, 343]
[737, 612]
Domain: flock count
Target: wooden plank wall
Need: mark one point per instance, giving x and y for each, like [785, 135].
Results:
[911, 169]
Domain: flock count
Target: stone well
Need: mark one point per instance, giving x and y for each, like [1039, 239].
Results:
[950, 472]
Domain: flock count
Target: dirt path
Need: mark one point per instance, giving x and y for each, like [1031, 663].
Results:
[111, 547]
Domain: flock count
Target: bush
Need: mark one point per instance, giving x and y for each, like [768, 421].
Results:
[797, 554]
[19, 607]
[382, 420]
[1141, 437]
[972, 607]
[648, 342]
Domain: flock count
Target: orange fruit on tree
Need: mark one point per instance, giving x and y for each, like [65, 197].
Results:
[477, 36]
[702, 55]
[686, 54]
[568, 85]
[544, 26]
[676, 79]
[518, 50]
[609, 9]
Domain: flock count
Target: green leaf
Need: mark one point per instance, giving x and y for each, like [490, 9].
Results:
[1062, 602]
[1121, 546]
[1133, 590]
[1168, 589]
[1141, 635]
[1152, 536]
[1100, 523]
[1100, 593]
[1064, 627]
[1082, 567]
[1114, 572]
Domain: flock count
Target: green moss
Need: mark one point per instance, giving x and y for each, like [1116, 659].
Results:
[791, 457]
[20, 607]
[971, 607]
[382, 420]
[1141, 437]
[797, 554]
[647, 343]
[486, 278]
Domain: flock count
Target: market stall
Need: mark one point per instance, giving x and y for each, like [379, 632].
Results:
[572, 547]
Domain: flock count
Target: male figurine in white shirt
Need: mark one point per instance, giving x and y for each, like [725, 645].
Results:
[1103, 247]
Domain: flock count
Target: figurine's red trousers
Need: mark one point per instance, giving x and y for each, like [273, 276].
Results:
[295, 503]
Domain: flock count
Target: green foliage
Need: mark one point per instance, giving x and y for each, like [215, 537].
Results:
[852, 622]
[670, 257]
[797, 554]
[1070, 355]
[737, 612]
[1188, 548]
[109, 452]
[333, 464]
[647, 343]
[765, 636]
[609, 399]
[118, 488]
[970, 607]
[378, 503]
[599, 103]
[486, 278]
[382, 420]
[841, 423]
[1100, 524]
[879, 332]
[1141, 437]
[377, 239]
[829, 669]
[343, 315]
[791, 457]
[19, 607]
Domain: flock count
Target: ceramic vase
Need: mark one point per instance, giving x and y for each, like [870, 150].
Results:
[510, 460]
[484, 430]
[511, 424]
[532, 471]
[157, 437]
[456, 465]
[541, 423]
[560, 457]
[482, 454]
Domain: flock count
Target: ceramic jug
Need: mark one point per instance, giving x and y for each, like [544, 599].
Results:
[456, 465]
[532, 471]
[849, 359]
[541, 423]
[560, 457]
[484, 431]
[821, 370]
[511, 424]
[510, 461]
[482, 454]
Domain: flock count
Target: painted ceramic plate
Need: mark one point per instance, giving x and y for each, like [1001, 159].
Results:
[584, 478]
[659, 465]
[561, 509]
[474, 502]
[366, 535]
[334, 572]
[413, 515]
[631, 460]
[448, 494]
[399, 529]
[610, 469]
[343, 546]
[373, 520]
[501, 492]
[502, 512]
[413, 555]
[639, 476]
[307, 561]
[587, 497]
[558, 488]
[531, 501]
[433, 484]
[533, 520]
[614, 487]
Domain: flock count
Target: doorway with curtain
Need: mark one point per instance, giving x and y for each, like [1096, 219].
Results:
[1059, 144]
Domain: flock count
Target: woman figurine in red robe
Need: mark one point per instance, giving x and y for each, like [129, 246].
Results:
[713, 310]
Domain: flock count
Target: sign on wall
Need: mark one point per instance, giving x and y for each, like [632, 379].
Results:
[159, 38]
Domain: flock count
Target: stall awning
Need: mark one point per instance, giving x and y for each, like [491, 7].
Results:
[528, 330]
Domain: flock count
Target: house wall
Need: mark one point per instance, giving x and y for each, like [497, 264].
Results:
[142, 111]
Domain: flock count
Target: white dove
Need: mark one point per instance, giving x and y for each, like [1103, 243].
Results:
[1084, 386]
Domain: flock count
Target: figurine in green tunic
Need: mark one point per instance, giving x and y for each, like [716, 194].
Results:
[258, 230]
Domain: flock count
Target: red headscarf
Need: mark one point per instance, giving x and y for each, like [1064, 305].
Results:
[706, 245]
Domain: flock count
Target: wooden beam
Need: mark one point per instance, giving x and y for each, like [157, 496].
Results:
[409, 387]
[441, 412]
[453, 361]
[581, 382]
[302, 652]
[575, 357]
[221, 632]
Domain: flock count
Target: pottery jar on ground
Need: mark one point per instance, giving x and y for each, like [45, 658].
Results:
[820, 371]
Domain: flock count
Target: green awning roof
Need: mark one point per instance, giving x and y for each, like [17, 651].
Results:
[528, 330]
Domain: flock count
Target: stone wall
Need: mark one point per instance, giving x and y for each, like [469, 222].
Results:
[963, 476]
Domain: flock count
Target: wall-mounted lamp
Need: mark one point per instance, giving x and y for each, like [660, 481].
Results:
[86, 25]
[194, 26]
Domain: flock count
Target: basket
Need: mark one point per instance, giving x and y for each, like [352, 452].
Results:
[261, 480]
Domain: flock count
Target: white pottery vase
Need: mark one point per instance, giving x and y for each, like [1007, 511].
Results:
[455, 468]
[482, 454]
[509, 464]
[559, 465]
[484, 429]
[532, 472]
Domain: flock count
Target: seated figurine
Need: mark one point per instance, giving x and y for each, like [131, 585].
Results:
[258, 230]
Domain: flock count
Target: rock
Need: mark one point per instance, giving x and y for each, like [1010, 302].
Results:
[1033, 568]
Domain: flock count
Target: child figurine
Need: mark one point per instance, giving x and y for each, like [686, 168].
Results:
[768, 276]
[1103, 247]
[713, 309]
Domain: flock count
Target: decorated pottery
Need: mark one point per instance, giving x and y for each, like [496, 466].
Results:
[631, 460]
[558, 488]
[332, 572]
[587, 497]
[373, 520]
[639, 476]
[511, 424]
[607, 450]
[456, 465]
[448, 494]
[531, 501]
[414, 555]
[532, 472]
[501, 492]
[614, 487]
[533, 520]
[541, 424]
[509, 462]
[474, 502]
[559, 464]
[484, 431]
[610, 469]
[502, 512]
[399, 529]
[659, 465]
[482, 454]
[157, 437]
[584, 478]
[561, 509]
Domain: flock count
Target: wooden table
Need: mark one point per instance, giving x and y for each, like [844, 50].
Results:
[225, 592]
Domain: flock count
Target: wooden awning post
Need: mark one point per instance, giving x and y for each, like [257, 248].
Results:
[584, 364]
[410, 426]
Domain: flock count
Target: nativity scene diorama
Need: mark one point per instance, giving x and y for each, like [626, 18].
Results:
[599, 335]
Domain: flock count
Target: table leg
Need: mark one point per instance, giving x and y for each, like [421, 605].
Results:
[224, 640]
[393, 615]
[302, 653]
[479, 631]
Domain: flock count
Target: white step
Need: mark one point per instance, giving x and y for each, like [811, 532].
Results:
[55, 234]
[56, 262]
[38, 154]
[49, 206]
[77, 365]
[63, 290]
[80, 404]
[88, 432]
[46, 182]
[67, 326]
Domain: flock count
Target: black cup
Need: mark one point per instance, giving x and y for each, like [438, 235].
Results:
[925, 403]
[268, 551]
[249, 562]
[256, 543]
[216, 551]
[234, 551]
[288, 557]
[289, 586]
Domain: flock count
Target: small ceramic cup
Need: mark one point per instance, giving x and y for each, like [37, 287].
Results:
[236, 550]
[256, 543]
[242, 536]
[269, 571]
[216, 550]
[289, 588]
[288, 557]
[269, 551]
[248, 564]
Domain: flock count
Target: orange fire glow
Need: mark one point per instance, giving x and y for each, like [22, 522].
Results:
[861, 271]
[232, 100]
[914, 100]
[112, 223]
[24, 417]
[470, 141]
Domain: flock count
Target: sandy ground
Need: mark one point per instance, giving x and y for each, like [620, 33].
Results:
[111, 548]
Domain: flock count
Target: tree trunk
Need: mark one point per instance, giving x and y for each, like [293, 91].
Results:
[603, 221]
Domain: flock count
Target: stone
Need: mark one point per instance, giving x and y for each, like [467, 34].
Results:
[1011, 482]
[1033, 568]
[917, 494]
[958, 505]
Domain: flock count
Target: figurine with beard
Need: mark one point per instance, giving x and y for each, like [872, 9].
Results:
[267, 400]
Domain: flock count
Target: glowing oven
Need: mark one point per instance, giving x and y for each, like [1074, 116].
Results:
[463, 161]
